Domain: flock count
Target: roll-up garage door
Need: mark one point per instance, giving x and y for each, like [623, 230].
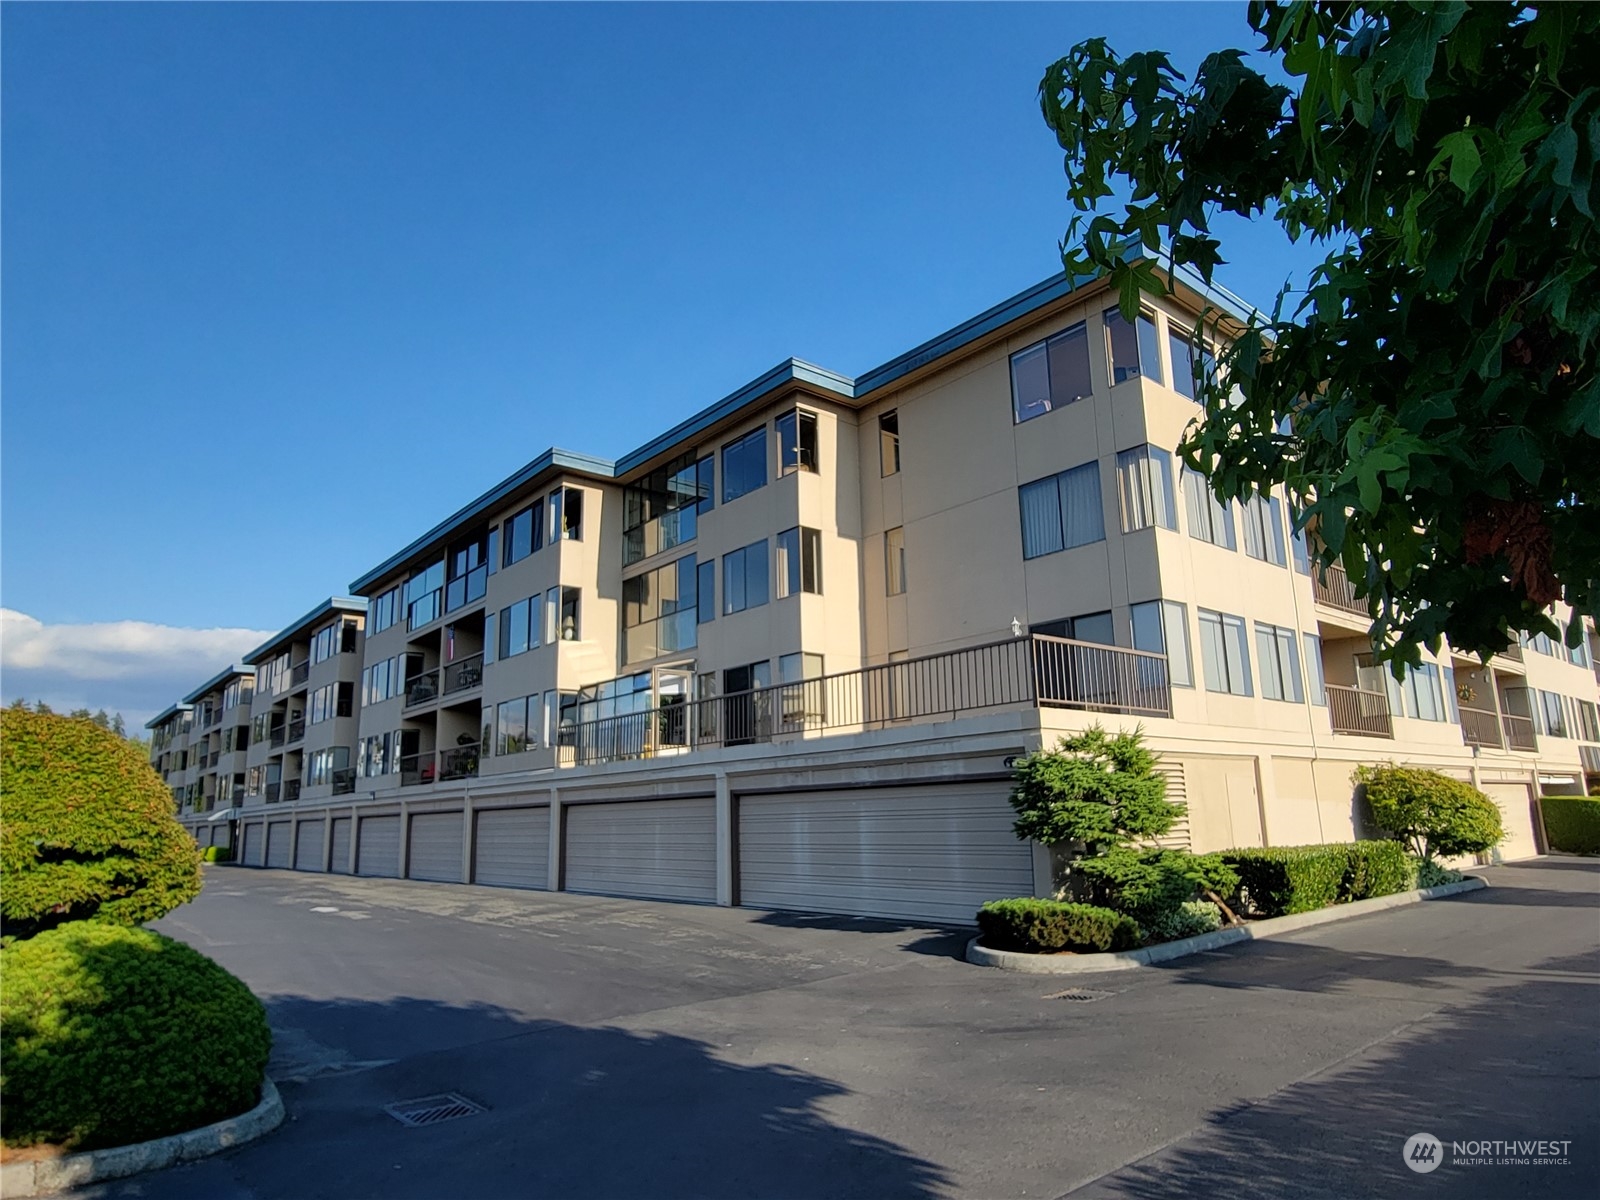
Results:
[378, 847]
[308, 846]
[339, 862]
[435, 847]
[280, 836]
[512, 847]
[657, 849]
[219, 833]
[1516, 814]
[255, 839]
[932, 853]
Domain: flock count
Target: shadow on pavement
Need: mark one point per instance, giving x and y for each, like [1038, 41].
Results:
[572, 1111]
[941, 943]
[1339, 1134]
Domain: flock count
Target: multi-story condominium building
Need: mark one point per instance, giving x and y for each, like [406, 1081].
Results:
[169, 748]
[783, 654]
[218, 739]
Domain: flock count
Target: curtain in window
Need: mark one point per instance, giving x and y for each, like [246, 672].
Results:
[1082, 519]
[1041, 518]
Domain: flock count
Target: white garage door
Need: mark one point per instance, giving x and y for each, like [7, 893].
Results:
[512, 847]
[656, 849]
[378, 848]
[1516, 814]
[308, 847]
[255, 838]
[280, 835]
[339, 862]
[219, 833]
[436, 847]
[921, 854]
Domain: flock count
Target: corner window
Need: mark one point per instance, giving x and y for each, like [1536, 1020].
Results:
[1144, 487]
[744, 578]
[1051, 374]
[524, 534]
[799, 562]
[1162, 627]
[744, 465]
[566, 515]
[519, 627]
[1224, 654]
[1132, 350]
[797, 442]
[1209, 519]
[889, 443]
[661, 610]
[894, 561]
[1062, 511]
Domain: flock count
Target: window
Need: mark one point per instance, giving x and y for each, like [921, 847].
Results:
[744, 578]
[663, 509]
[799, 562]
[524, 534]
[1162, 627]
[1588, 723]
[468, 571]
[1209, 519]
[802, 698]
[1279, 653]
[889, 443]
[422, 595]
[1132, 350]
[1262, 517]
[797, 442]
[1319, 685]
[1091, 627]
[706, 591]
[1188, 361]
[894, 561]
[1554, 714]
[383, 611]
[324, 645]
[1578, 654]
[566, 515]
[349, 636]
[1299, 550]
[345, 705]
[1224, 654]
[517, 725]
[1062, 511]
[322, 764]
[519, 627]
[661, 610]
[570, 629]
[744, 465]
[1144, 484]
[1423, 697]
[1050, 375]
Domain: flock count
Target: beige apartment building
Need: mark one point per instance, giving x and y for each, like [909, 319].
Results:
[784, 654]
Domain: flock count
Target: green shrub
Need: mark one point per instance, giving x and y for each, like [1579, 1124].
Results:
[1375, 868]
[110, 1035]
[216, 854]
[1432, 813]
[1093, 789]
[1572, 823]
[1187, 920]
[1151, 885]
[88, 829]
[1041, 926]
[1431, 874]
[1277, 880]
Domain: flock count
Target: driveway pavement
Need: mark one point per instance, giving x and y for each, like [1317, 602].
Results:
[631, 1049]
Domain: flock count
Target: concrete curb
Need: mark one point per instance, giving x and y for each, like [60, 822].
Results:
[1130, 960]
[115, 1162]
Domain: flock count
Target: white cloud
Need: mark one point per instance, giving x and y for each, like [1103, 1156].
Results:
[133, 667]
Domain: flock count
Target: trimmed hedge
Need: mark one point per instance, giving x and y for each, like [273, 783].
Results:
[111, 1035]
[216, 854]
[1572, 823]
[1152, 885]
[1431, 812]
[1376, 869]
[1045, 926]
[1278, 880]
[88, 830]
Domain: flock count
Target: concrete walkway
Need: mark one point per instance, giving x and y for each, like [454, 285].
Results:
[644, 1050]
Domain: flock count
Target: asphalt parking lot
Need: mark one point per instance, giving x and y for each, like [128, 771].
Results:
[626, 1048]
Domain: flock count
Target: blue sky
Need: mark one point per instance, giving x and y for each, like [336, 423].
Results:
[286, 284]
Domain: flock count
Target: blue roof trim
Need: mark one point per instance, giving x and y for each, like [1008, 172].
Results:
[551, 461]
[791, 370]
[343, 604]
[218, 680]
[171, 710]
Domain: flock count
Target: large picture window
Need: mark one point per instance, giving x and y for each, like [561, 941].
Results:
[1224, 654]
[663, 509]
[1278, 651]
[1051, 374]
[661, 610]
[1162, 627]
[744, 465]
[1062, 511]
[744, 578]
[519, 627]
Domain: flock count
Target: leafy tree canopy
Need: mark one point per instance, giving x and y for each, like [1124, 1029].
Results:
[1094, 788]
[1439, 365]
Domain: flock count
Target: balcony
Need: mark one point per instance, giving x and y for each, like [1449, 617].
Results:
[272, 793]
[424, 611]
[1359, 711]
[459, 762]
[1480, 727]
[344, 781]
[297, 730]
[1334, 589]
[1519, 732]
[1036, 672]
[459, 676]
[291, 790]
[216, 756]
[420, 689]
[416, 769]
[300, 672]
[277, 735]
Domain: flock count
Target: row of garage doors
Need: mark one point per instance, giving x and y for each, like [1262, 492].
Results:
[925, 854]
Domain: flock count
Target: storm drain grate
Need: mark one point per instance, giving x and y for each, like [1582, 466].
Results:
[430, 1110]
[1080, 995]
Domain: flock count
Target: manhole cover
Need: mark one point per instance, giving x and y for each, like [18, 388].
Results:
[1080, 995]
[430, 1110]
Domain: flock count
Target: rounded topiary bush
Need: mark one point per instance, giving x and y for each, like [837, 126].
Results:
[88, 828]
[1431, 812]
[111, 1035]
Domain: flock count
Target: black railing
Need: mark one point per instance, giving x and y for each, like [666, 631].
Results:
[464, 589]
[1480, 727]
[272, 793]
[1035, 671]
[291, 789]
[277, 735]
[1334, 589]
[344, 781]
[299, 673]
[1356, 710]
[459, 762]
[467, 673]
[297, 729]
[422, 688]
[416, 769]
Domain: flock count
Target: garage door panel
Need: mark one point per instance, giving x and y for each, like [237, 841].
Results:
[655, 849]
[1516, 815]
[378, 847]
[255, 848]
[308, 846]
[925, 854]
[512, 847]
[280, 838]
[339, 859]
[435, 847]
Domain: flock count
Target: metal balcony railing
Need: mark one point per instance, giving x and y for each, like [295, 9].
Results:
[1356, 710]
[1480, 727]
[1519, 732]
[291, 790]
[416, 769]
[277, 735]
[272, 793]
[1334, 589]
[422, 688]
[297, 729]
[300, 672]
[459, 762]
[467, 673]
[344, 781]
[1035, 671]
